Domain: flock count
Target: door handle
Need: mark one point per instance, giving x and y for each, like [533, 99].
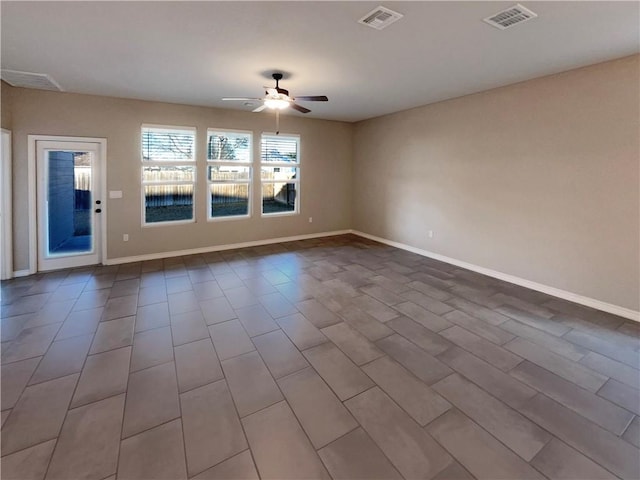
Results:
[98, 210]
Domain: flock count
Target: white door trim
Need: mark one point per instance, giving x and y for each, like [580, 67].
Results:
[32, 189]
[7, 208]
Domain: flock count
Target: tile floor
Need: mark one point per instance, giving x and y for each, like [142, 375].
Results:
[329, 358]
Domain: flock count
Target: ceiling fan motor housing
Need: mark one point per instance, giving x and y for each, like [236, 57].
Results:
[277, 77]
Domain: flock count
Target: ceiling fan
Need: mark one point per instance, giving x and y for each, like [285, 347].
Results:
[277, 98]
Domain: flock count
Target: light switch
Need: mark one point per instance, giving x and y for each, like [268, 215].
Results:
[115, 193]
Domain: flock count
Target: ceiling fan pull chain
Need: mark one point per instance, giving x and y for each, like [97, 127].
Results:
[277, 122]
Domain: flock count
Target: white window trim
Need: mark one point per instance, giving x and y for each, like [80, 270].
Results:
[143, 184]
[231, 163]
[298, 207]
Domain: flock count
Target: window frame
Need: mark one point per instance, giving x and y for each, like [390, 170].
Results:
[248, 182]
[297, 181]
[167, 163]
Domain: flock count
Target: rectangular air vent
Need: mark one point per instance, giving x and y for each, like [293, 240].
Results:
[39, 81]
[380, 18]
[510, 17]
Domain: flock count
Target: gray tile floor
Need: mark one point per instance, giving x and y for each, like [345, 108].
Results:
[328, 358]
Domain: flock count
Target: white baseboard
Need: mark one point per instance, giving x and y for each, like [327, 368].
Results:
[22, 273]
[556, 292]
[218, 248]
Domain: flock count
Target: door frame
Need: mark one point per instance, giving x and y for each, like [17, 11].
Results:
[7, 209]
[32, 192]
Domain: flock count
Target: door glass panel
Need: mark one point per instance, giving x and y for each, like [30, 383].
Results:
[69, 203]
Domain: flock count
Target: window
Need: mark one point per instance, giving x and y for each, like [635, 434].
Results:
[280, 174]
[229, 156]
[168, 174]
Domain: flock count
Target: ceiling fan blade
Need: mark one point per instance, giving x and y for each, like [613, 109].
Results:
[241, 98]
[259, 109]
[313, 98]
[299, 108]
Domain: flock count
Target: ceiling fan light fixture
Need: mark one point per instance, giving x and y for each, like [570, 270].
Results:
[276, 103]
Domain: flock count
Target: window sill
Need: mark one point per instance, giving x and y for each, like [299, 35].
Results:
[229, 218]
[279, 214]
[168, 223]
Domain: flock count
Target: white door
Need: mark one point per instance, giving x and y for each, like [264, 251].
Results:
[69, 204]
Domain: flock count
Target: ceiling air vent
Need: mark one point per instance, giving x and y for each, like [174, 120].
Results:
[510, 17]
[380, 18]
[39, 81]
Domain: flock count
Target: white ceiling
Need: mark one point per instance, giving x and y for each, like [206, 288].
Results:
[198, 52]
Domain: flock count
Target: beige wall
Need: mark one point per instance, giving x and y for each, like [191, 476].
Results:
[326, 152]
[539, 180]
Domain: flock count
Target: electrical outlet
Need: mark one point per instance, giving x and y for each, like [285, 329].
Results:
[430, 233]
[310, 219]
[125, 237]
